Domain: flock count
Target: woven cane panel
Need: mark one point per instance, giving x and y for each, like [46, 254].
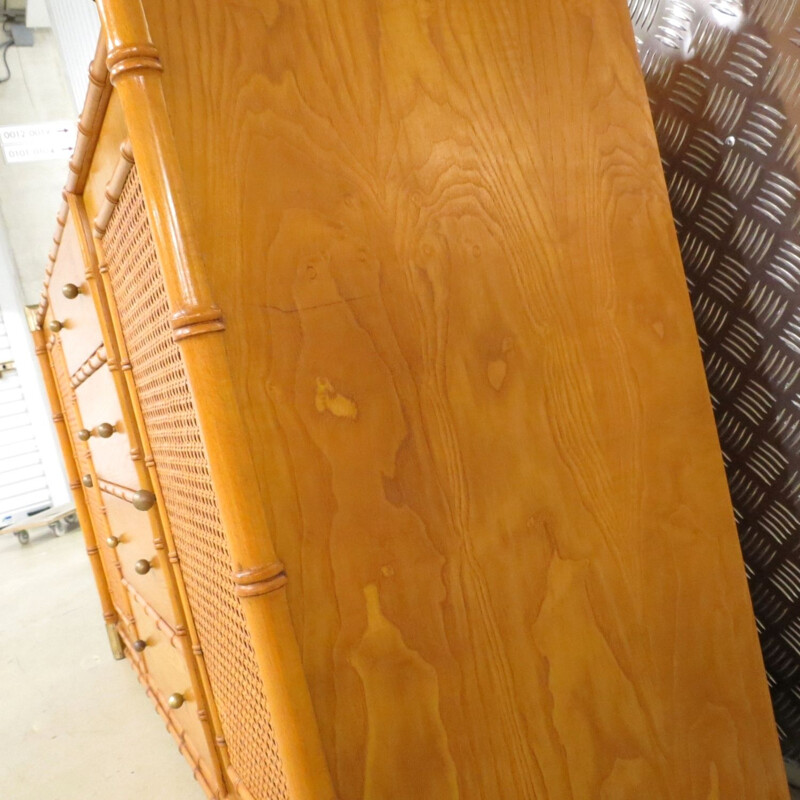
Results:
[171, 423]
[723, 77]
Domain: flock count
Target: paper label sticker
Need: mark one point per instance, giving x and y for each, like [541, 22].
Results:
[41, 141]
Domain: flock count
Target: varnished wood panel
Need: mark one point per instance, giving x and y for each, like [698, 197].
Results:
[460, 337]
[133, 529]
[167, 669]
[98, 402]
[80, 335]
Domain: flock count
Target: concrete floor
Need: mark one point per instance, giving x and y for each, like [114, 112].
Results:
[74, 723]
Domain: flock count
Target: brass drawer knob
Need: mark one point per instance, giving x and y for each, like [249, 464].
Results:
[105, 429]
[112, 542]
[143, 500]
[142, 566]
[70, 291]
[55, 325]
[139, 645]
[176, 700]
[86, 480]
[84, 434]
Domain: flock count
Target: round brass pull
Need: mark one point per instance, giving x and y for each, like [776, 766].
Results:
[84, 434]
[70, 291]
[112, 542]
[176, 700]
[105, 429]
[139, 645]
[86, 480]
[55, 325]
[142, 566]
[143, 500]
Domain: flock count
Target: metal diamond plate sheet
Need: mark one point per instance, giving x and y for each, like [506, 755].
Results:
[723, 78]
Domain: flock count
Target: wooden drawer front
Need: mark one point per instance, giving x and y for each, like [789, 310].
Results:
[109, 557]
[80, 334]
[98, 404]
[99, 519]
[165, 665]
[136, 543]
[163, 660]
[68, 404]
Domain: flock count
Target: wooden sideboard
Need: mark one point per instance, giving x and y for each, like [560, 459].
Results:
[372, 361]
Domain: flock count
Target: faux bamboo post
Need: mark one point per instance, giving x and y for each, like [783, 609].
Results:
[134, 68]
[89, 123]
[109, 614]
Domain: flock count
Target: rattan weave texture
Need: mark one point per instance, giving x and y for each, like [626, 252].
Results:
[170, 420]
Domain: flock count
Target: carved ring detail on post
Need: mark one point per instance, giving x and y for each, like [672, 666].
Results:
[194, 321]
[260, 580]
[136, 57]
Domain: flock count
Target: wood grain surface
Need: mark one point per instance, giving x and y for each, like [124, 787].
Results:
[81, 333]
[460, 337]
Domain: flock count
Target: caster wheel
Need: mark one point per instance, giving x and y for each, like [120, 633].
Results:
[23, 537]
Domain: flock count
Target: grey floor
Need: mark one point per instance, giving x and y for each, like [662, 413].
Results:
[74, 723]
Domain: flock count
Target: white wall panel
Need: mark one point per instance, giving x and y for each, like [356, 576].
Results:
[77, 27]
[36, 15]
[31, 469]
[23, 477]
